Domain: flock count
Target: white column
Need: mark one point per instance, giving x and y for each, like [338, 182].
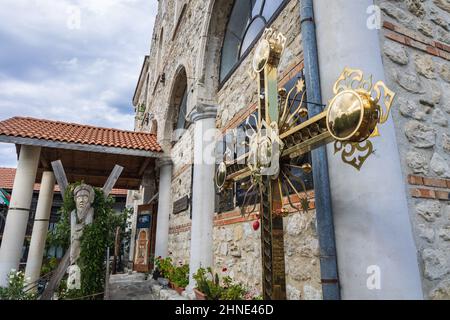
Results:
[164, 208]
[203, 193]
[18, 213]
[372, 223]
[40, 227]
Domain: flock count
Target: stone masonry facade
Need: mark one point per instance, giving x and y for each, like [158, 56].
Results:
[236, 245]
[415, 41]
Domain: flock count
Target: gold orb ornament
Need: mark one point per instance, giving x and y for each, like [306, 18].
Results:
[221, 175]
[262, 55]
[352, 116]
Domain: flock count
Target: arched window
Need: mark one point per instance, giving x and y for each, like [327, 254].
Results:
[181, 121]
[247, 21]
[179, 106]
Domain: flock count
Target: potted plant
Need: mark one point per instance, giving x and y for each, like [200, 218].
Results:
[208, 285]
[232, 291]
[199, 295]
[180, 277]
[165, 268]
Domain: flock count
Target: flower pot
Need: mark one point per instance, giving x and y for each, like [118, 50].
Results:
[199, 295]
[178, 289]
[171, 285]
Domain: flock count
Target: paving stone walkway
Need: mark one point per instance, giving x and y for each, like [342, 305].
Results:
[135, 286]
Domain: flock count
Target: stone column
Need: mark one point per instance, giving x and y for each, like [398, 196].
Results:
[19, 211]
[164, 207]
[203, 193]
[40, 227]
[373, 228]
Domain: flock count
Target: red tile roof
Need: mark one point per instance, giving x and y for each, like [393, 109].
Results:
[7, 181]
[77, 133]
[7, 177]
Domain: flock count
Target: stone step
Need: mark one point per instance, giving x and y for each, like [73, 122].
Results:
[135, 286]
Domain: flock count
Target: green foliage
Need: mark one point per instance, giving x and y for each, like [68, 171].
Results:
[210, 284]
[180, 275]
[96, 238]
[49, 265]
[232, 291]
[16, 288]
[164, 266]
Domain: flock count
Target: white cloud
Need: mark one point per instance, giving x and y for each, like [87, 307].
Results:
[85, 75]
[8, 157]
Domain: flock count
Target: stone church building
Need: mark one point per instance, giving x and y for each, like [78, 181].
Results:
[391, 219]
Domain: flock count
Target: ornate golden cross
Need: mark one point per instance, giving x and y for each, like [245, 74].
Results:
[284, 133]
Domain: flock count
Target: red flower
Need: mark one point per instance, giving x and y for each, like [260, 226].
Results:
[224, 269]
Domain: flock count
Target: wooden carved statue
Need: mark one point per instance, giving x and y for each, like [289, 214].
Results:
[80, 217]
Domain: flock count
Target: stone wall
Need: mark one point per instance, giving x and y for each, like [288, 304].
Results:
[236, 245]
[179, 235]
[237, 250]
[415, 40]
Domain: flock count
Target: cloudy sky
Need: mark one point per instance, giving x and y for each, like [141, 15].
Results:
[72, 60]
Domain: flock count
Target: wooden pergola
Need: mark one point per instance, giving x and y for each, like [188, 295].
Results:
[87, 153]
[100, 157]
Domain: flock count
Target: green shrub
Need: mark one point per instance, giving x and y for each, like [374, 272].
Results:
[164, 266]
[208, 283]
[180, 276]
[16, 289]
[49, 265]
[232, 291]
[214, 289]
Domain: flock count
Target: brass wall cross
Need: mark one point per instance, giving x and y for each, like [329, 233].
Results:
[284, 133]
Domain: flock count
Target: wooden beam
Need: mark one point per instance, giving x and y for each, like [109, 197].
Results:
[112, 179]
[80, 147]
[144, 166]
[60, 176]
[57, 276]
[100, 174]
[98, 181]
[44, 162]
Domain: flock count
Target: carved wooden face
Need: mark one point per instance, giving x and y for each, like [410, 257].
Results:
[82, 200]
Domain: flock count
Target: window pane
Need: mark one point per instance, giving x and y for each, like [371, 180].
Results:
[253, 31]
[256, 5]
[242, 30]
[182, 112]
[270, 7]
[239, 17]
[230, 53]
